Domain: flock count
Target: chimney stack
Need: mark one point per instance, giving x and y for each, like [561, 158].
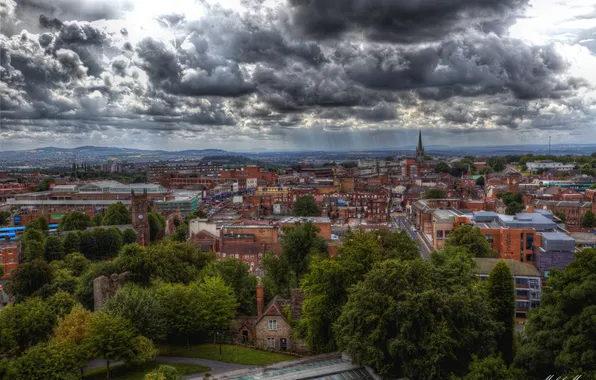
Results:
[260, 298]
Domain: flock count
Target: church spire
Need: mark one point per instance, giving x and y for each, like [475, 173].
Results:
[420, 148]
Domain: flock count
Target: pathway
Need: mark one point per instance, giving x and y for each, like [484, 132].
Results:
[216, 366]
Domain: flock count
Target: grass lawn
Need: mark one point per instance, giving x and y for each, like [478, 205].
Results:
[230, 354]
[124, 372]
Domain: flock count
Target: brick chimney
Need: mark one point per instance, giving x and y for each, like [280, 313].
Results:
[260, 298]
[530, 209]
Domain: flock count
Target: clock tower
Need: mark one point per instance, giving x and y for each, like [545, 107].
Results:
[140, 219]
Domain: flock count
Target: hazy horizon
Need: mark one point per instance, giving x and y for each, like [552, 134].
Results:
[332, 75]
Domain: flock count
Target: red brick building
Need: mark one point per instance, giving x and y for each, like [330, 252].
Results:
[10, 253]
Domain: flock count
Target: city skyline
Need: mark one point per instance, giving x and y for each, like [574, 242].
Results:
[242, 75]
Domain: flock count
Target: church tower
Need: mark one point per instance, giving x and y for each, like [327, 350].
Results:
[420, 149]
[140, 219]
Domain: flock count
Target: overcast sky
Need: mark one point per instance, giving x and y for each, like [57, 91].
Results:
[292, 74]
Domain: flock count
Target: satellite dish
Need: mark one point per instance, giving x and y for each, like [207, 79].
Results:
[140, 217]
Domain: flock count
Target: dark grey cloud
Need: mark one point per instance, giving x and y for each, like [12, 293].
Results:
[472, 66]
[403, 21]
[348, 71]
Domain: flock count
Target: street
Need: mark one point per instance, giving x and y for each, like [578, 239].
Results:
[402, 223]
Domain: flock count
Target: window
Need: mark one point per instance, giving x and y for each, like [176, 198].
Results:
[273, 324]
[489, 238]
[521, 281]
[534, 283]
[439, 235]
[529, 240]
[223, 255]
[271, 342]
[522, 293]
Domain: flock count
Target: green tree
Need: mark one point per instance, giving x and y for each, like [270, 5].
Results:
[389, 158]
[75, 329]
[98, 219]
[218, 305]
[278, 277]
[46, 361]
[40, 224]
[164, 372]
[88, 245]
[24, 325]
[141, 307]
[593, 186]
[54, 249]
[72, 242]
[77, 263]
[28, 278]
[306, 206]
[490, 368]
[44, 185]
[129, 236]
[497, 163]
[407, 319]
[514, 208]
[177, 262]
[501, 296]
[157, 224]
[235, 274]
[108, 241]
[349, 164]
[443, 167]
[589, 220]
[480, 181]
[117, 214]
[75, 221]
[471, 239]
[510, 197]
[328, 280]
[182, 307]
[468, 164]
[181, 233]
[435, 194]
[143, 351]
[34, 250]
[4, 218]
[62, 280]
[487, 170]
[299, 243]
[587, 170]
[111, 338]
[559, 336]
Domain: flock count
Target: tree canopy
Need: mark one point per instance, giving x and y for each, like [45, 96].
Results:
[328, 280]
[406, 318]
[443, 167]
[559, 339]
[75, 221]
[589, 220]
[501, 295]
[470, 238]
[299, 243]
[306, 206]
[117, 214]
[435, 193]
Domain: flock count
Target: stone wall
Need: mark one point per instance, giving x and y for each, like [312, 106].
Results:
[104, 288]
[262, 332]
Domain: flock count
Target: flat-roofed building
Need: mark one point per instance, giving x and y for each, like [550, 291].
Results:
[527, 280]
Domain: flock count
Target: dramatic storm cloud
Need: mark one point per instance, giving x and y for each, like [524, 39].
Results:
[325, 74]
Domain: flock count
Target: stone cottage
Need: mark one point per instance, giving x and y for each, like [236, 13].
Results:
[272, 327]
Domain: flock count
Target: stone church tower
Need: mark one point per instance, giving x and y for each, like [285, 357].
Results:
[140, 219]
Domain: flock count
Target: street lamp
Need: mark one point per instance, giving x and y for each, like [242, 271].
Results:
[219, 333]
